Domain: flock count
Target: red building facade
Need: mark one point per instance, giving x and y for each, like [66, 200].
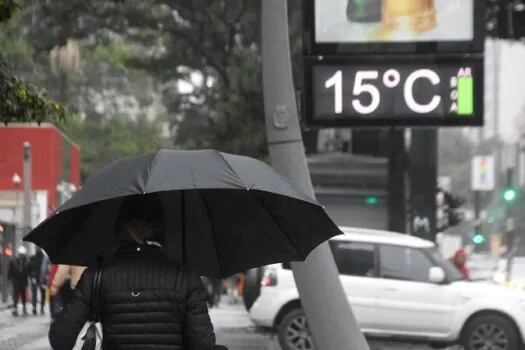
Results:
[53, 156]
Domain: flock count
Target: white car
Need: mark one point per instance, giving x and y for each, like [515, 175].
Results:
[400, 288]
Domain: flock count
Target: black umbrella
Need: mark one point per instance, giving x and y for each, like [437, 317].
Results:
[224, 213]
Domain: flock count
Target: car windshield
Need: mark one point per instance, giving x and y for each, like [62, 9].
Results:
[452, 273]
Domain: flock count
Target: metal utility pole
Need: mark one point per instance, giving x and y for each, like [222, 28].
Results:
[396, 181]
[477, 210]
[330, 318]
[423, 182]
[497, 154]
[26, 220]
[476, 193]
[513, 240]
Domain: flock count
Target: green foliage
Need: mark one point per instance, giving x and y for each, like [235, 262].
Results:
[133, 47]
[8, 8]
[116, 53]
[119, 137]
[20, 101]
[101, 124]
[218, 39]
[24, 102]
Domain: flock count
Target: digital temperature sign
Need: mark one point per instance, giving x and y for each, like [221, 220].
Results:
[404, 94]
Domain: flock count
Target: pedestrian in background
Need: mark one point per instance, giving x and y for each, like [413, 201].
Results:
[18, 275]
[38, 289]
[147, 300]
[216, 291]
[460, 261]
[210, 295]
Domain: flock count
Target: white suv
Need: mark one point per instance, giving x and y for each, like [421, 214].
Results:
[400, 288]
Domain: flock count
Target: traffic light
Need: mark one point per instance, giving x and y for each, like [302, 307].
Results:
[510, 194]
[371, 200]
[453, 203]
[447, 206]
[478, 238]
[504, 19]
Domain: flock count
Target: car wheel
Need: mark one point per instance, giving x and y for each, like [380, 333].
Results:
[490, 332]
[294, 333]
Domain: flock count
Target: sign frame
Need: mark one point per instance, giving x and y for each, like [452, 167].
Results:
[308, 108]
[475, 183]
[312, 48]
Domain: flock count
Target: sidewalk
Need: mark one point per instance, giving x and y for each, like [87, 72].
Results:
[235, 330]
[231, 322]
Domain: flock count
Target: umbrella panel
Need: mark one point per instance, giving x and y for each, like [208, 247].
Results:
[217, 232]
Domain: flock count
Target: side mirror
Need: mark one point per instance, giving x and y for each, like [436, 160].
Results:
[436, 275]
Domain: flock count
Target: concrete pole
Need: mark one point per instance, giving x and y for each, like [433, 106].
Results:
[26, 220]
[329, 315]
[497, 154]
[423, 166]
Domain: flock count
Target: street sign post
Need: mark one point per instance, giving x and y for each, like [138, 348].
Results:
[391, 63]
[510, 224]
[483, 173]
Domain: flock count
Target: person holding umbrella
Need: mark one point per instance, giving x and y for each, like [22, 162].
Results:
[148, 301]
[63, 283]
[175, 215]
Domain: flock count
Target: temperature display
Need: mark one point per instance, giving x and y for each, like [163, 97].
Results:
[396, 94]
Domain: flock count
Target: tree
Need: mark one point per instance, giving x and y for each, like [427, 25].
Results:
[119, 137]
[20, 101]
[109, 100]
[112, 120]
[217, 40]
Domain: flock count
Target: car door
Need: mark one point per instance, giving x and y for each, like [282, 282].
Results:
[356, 262]
[407, 303]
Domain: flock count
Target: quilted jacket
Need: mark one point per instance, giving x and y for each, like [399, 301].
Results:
[147, 301]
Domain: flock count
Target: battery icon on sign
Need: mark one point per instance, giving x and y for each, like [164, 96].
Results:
[465, 94]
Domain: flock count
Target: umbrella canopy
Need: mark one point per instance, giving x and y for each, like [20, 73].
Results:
[223, 213]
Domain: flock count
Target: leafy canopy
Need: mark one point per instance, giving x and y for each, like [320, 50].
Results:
[20, 101]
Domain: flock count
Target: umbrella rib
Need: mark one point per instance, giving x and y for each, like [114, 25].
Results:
[150, 170]
[231, 168]
[208, 211]
[276, 222]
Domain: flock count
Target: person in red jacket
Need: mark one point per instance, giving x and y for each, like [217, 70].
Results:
[460, 261]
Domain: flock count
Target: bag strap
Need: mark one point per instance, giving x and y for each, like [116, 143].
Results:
[96, 295]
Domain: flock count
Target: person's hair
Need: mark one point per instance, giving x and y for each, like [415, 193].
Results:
[140, 219]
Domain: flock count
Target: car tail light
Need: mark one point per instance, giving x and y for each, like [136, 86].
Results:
[269, 278]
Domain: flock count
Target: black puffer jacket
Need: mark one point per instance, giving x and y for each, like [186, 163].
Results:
[148, 302]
